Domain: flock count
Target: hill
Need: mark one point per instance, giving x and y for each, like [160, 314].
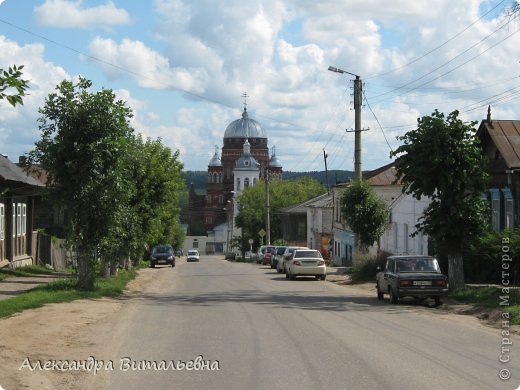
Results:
[200, 178]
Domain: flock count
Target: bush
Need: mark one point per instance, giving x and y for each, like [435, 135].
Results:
[483, 259]
[365, 268]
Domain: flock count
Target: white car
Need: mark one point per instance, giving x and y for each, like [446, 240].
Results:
[306, 262]
[289, 250]
[193, 255]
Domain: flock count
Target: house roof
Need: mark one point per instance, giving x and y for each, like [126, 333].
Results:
[505, 134]
[383, 176]
[301, 208]
[12, 172]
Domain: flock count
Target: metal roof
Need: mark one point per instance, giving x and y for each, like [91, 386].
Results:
[12, 172]
[244, 128]
[505, 134]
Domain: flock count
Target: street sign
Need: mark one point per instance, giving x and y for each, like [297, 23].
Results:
[250, 241]
[262, 233]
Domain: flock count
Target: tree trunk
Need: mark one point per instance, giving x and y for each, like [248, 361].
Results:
[455, 271]
[113, 266]
[85, 272]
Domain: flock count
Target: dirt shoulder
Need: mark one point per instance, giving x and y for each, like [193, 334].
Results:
[488, 316]
[71, 332]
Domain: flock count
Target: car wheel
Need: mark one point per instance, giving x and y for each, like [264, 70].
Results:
[323, 277]
[173, 264]
[393, 298]
[279, 270]
[437, 301]
[318, 277]
[152, 264]
[286, 275]
[380, 295]
[292, 276]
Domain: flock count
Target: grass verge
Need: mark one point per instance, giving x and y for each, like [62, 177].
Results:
[65, 291]
[493, 297]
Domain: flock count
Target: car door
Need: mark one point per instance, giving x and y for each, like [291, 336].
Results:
[388, 275]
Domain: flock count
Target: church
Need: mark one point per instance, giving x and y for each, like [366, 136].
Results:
[244, 159]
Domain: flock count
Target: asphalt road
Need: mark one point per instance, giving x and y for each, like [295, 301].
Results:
[266, 332]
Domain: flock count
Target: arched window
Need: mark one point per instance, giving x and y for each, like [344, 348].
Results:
[209, 177]
[215, 177]
[246, 182]
[220, 178]
[238, 184]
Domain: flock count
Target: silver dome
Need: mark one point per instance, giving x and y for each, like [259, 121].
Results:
[215, 160]
[244, 128]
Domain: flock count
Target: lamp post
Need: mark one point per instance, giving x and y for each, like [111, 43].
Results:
[357, 120]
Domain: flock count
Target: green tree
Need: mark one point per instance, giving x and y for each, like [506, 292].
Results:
[282, 193]
[364, 212]
[84, 139]
[12, 86]
[442, 159]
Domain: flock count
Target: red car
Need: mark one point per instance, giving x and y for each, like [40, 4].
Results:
[268, 255]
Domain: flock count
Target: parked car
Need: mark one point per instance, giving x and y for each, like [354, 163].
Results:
[162, 254]
[278, 252]
[265, 254]
[412, 276]
[287, 255]
[193, 255]
[306, 262]
[230, 256]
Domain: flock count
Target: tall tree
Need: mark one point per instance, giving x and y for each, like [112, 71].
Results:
[364, 212]
[84, 139]
[282, 193]
[12, 86]
[442, 159]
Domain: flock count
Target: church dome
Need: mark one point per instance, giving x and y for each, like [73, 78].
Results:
[244, 128]
[215, 160]
[247, 161]
[274, 162]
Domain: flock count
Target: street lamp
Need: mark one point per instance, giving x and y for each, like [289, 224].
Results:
[357, 128]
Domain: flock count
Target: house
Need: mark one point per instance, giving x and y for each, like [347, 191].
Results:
[320, 223]
[18, 192]
[405, 212]
[500, 140]
[294, 223]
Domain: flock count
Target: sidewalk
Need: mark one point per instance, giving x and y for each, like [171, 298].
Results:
[11, 287]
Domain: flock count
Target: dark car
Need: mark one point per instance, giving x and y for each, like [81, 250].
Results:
[412, 276]
[162, 254]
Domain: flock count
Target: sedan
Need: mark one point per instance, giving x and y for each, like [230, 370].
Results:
[193, 255]
[419, 277]
[162, 254]
[306, 262]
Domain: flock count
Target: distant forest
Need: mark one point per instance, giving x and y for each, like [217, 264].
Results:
[200, 178]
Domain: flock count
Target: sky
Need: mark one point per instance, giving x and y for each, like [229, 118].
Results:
[183, 67]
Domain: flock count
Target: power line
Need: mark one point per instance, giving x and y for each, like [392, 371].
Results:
[377, 120]
[437, 47]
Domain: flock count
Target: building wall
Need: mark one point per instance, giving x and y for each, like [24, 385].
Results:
[405, 214]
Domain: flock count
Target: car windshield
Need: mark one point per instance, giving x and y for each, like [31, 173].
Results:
[192, 253]
[307, 254]
[162, 249]
[417, 265]
[280, 250]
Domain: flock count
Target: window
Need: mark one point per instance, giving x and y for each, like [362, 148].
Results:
[24, 219]
[396, 236]
[2, 222]
[405, 238]
[215, 177]
[221, 199]
[238, 184]
[246, 182]
[495, 209]
[195, 243]
[508, 208]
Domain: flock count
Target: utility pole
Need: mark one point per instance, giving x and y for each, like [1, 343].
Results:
[268, 218]
[357, 122]
[326, 170]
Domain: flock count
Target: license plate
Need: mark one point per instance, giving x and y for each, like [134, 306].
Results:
[422, 283]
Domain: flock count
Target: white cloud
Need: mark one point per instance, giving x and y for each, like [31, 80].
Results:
[148, 68]
[72, 14]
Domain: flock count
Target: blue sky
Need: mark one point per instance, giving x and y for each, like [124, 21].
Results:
[182, 66]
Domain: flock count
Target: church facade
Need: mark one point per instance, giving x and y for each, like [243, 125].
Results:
[244, 159]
